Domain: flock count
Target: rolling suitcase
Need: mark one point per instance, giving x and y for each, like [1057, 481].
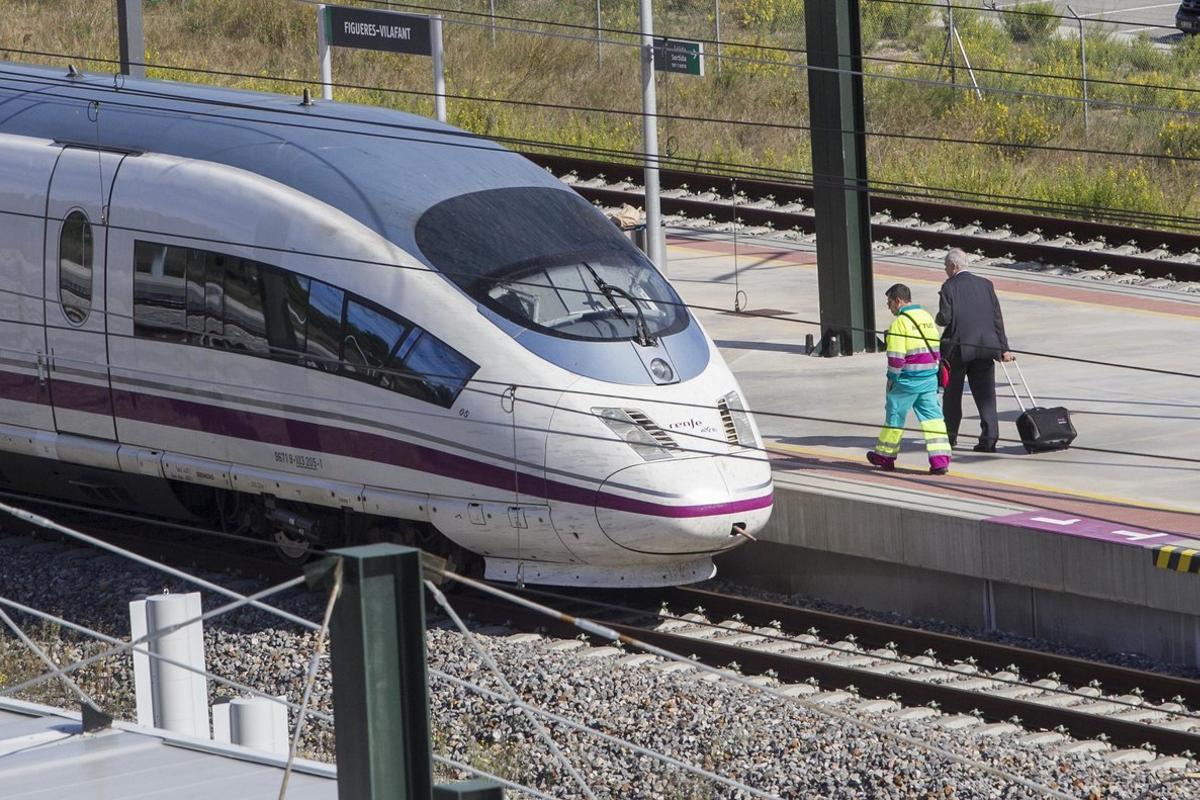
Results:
[1040, 429]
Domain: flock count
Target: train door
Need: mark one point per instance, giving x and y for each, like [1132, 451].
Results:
[76, 249]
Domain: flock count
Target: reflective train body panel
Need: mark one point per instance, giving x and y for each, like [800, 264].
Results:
[353, 308]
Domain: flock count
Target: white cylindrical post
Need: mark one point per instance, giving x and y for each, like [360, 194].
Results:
[323, 53]
[439, 70]
[259, 724]
[180, 696]
[599, 38]
[492, 13]
[654, 240]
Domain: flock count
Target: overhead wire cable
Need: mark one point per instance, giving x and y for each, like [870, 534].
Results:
[55, 670]
[601, 631]
[542, 733]
[481, 773]
[43, 522]
[745, 170]
[599, 734]
[124, 647]
[784, 126]
[153, 656]
[310, 676]
[450, 273]
[948, 670]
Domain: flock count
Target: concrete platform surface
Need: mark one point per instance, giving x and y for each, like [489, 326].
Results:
[1136, 461]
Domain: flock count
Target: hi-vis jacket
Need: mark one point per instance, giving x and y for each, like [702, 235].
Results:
[911, 364]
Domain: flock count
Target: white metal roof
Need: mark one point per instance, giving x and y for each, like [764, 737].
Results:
[44, 754]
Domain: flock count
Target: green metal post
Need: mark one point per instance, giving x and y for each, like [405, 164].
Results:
[380, 682]
[380, 686]
[839, 157]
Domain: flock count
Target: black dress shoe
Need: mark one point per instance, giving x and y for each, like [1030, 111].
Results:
[984, 448]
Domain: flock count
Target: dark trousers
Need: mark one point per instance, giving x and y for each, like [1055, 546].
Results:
[981, 375]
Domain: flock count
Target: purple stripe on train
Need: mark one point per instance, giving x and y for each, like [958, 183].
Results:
[253, 426]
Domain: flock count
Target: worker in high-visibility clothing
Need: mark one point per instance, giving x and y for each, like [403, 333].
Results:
[913, 355]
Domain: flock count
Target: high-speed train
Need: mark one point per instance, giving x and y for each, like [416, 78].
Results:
[323, 323]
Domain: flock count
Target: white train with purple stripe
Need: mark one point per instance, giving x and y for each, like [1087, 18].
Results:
[329, 323]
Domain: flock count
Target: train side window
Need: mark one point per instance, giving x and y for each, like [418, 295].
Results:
[159, 292]
[214, 297]
[245, 326]
[434, 371]
[75, 268]
[324, 326]
[368, 339]
[197, 267]
[285, 307]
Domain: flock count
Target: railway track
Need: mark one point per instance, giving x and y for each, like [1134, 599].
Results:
[956, 675]
[993, 683]
[1021, 236]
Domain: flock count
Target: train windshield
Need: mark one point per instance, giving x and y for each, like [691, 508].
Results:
[546, 259]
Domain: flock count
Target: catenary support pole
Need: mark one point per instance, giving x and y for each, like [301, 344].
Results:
[839, 158]
[1082, 68]
[599, 38]
[439, 68]
[131, 38]
[324, 55]
[654, 234]
[717, 17]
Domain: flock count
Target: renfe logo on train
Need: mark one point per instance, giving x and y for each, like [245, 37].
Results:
[378, 30]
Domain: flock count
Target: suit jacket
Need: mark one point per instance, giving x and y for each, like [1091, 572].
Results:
[969, 311]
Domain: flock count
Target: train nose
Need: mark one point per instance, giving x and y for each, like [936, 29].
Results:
[693, 508]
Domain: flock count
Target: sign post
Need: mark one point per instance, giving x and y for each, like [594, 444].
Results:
[389, 31]
[655, 246]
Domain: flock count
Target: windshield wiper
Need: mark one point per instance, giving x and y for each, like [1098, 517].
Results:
[641, 329]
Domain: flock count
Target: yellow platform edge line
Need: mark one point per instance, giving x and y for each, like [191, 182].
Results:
[1002, 482]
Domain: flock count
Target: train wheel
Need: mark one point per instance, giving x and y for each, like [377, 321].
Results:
[291, 549]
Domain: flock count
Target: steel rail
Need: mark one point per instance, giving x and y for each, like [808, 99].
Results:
[991, 655]
[930, 211]
[907, 690]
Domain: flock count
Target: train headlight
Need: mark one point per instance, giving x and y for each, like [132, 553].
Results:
[661, 371]
[629, 431]
[733, 412]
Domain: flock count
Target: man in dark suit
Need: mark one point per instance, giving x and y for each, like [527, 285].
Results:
[973, 340]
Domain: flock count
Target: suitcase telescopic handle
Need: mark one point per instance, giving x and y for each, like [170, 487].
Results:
[1021, 403]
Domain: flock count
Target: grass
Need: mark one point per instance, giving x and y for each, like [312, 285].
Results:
[1038, 115]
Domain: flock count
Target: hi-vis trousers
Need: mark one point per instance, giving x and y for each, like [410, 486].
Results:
[929, 412]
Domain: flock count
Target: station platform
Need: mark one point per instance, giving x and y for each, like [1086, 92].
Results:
[1092, 544]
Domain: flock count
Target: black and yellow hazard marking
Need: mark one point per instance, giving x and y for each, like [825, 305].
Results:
[1176, 557]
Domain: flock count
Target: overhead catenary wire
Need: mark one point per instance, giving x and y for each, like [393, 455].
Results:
[722, 168]
[506, 384]
[1022, 146]
[291, 252]
[603, 632]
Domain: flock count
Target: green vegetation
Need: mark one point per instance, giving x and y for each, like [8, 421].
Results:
[1014, 142]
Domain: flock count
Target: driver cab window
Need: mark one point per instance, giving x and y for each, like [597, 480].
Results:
[75, 253]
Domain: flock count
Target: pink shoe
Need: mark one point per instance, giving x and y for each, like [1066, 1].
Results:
[939, 465]
[883, 462]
